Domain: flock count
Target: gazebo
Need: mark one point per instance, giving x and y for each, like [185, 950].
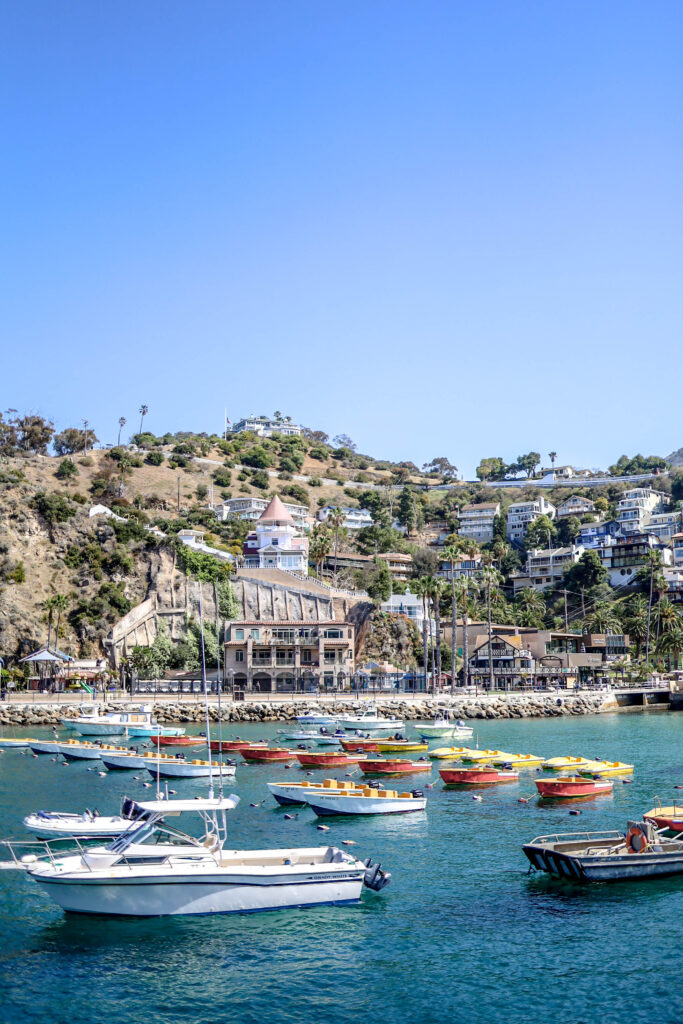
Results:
[46, 661]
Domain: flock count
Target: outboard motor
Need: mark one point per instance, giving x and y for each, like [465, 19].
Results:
[417, 793]
[374, 877]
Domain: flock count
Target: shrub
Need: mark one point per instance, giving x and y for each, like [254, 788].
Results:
[201, 491]
[222, 477]
[243, 475]
[66, 470]
[53, 507]
[80, 499]
[85, 461]
[315, 481]
[155, 458]
[261, 480]
[17, 574]
[178, 462]
[318, 453]
[258, 458]
[300, 494]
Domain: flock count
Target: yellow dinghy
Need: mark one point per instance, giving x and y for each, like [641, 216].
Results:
[478, 756]
[558, 764]
[387, 746]
[450, 753]
[519, 761]
[605, 769]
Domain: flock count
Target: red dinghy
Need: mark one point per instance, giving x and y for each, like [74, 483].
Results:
[573, 787]
[180, 741]
[360, 744]
[262, 755]
[238, 745]
[485, 775]
[327, 760]
[392, 766]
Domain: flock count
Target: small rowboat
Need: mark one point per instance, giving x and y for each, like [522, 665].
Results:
[238, 745]
[9, 742]
[450, 753]
[666, 817]
[366, 801]
[559, 764]
[263, 755]
[405, 746]
[572, 787]
[327, 760]
[45, 746]
[486, 757]
[178, 768]
[180, 741]
[484, 775]
[518, 761]
[288, 793]
[606, 769]
[393, 766]
[360, 744]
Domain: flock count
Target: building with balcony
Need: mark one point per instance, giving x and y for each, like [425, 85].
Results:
[411, 607]
[476, 521]
[264, 426]
[576, 506]
[626, 555]
[636, 507]
[522, 514]
[594, 535]
[545, 568]
[278, 542]
[470, 567]
[250, 509]
[400, 565]
[290, 656]
[677, 548]
[354, 518]
[664, 525]
[510, 661]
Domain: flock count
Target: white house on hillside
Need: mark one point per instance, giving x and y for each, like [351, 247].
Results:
[277, 542]
[522, 514]
[266, 427]
[355, 518]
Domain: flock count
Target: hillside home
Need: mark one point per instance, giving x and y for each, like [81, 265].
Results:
[463, 567]
[278, 542]
[476, 521]
[411, 607]
[521, 514]
[626, 555]
[354, 518]
[265, 427]
[251, 509]
[576, 506]
[594, 535]
[677, 545]
[664, 525]
[635, 508]
[195, 539]
[400, 565]
[545, 568]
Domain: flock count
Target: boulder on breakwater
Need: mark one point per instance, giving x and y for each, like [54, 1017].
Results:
[551, 705]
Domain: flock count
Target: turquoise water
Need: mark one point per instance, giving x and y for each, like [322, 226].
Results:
[463, 932]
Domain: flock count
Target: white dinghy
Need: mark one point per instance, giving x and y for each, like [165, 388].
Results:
[442, 726]
[88, 825]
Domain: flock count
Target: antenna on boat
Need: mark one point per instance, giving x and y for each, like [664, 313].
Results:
[206, 695]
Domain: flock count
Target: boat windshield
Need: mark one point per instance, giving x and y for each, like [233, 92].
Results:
[152, 833]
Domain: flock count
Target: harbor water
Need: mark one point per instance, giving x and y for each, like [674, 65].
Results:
[462, 933]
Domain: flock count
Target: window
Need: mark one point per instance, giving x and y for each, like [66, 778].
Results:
[254, 634]
[239, 655]
[239, 634]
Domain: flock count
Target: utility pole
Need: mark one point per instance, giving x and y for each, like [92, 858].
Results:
[649, 610]
[488, 608]
[85, 437]
[566, 620]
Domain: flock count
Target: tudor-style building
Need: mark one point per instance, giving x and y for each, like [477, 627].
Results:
[511, 661]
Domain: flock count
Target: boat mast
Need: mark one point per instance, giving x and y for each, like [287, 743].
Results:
[206, 695]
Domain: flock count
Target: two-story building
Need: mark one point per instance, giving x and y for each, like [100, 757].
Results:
[635, 509]
[277, 542]
[626, 555]
[576, 506]
[400, 565]
[507, 659]
[251, 508]
[476, 521]
[545, 568]
[664, 525]
[289, 655]
[410, 606]
[354, 518]
[522, 514]
[471, 567]
[594, 535]
[264, 426]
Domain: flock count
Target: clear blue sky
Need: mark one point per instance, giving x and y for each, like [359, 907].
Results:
[445, 228]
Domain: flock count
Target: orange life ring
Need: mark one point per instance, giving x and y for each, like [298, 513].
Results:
[636, 840]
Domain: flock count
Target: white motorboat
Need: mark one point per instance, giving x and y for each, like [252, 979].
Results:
[317, 718]
[321, 737]
[157, 870]
[441, 726]
[370, 721]
[179, 768]
[153, 729]
[301, 792]
[88, 825]
[113, 723]
[367, 801]
[116, 758]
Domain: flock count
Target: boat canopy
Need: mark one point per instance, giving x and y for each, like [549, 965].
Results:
[168, 807]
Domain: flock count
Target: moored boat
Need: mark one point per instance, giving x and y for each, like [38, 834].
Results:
[370, 721]
[483, 775]
[607, 856]
[313, 717]
[153, 730]
[12, 743]
[486, 757]
[606, 769]
[560, 764]
[393, 766]
[573, 787]
[92, 722]
[300, 792]
[518, 761]
[360, 743]
[179, 768]
[367, 801]
[119, 759]
[45, 746]
[88, 825]
[263, 755]
[180, 741]
[450, 753]
[219, 745]
[670, 817]
[441, 727]
[309, 759]
[398, 745]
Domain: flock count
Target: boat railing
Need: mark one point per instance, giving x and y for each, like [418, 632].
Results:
[45, 846]
[559, 837]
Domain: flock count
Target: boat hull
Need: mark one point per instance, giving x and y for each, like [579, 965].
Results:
[577, 868]
[379, 767]
[476, 776]
[120, 762]
[574, 789]
[327, 760]
[45, 746]
[98, 728]
[180, 770]
[326, 805]
[8, 743]
[267, 756]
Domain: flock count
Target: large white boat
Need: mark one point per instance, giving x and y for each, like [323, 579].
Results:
[370, 721]
[88, 825]
[441, 726]
[113, 723]
[157, 870]
[316, 718]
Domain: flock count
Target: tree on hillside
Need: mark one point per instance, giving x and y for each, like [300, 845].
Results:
[602, 619]
[407, 514]
[9, 438]
[587, 573]
[319, 436]
[491, 469]
[33, 434]
[441, 465]
[336, 519]
[528, 462]
[60, 602]
[143, 410]
[530, 608]
[320, 546]
[378, 584]
[72, 439]
[568, 529]
[122, 423]
[66, 469]
[552, 456]
[540, 534]
[344, 441]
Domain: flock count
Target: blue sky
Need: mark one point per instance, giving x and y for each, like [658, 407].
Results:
[444, 228]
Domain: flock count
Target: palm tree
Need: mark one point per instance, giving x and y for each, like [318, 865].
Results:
[461, 591]
[61, 602]
[452, 554]
[490, 578]
[336, 518]
[438, 590]
[124, 468]
[635, 620]
[552, 456]
[321, 543]
[49, 607]
[530, 608]
[653, 562]
[421, 588]
[671, 642]
[603, 619]
[122, 423]
[143, 410]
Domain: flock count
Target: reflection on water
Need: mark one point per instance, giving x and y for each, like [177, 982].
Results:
[462, 930]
